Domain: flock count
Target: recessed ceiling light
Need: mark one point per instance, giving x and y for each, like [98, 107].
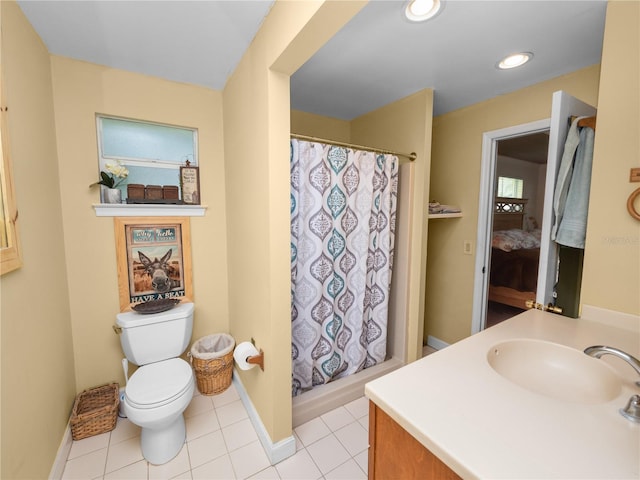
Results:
[421, 10]
[514, 60]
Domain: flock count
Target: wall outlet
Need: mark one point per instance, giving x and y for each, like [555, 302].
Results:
[467, 247]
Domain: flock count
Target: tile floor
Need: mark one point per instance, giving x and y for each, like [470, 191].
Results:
[222, 444]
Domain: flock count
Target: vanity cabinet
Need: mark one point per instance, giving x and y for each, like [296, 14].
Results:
[394, 453]
[429, 400]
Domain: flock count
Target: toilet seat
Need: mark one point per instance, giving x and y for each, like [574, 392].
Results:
[159, 383]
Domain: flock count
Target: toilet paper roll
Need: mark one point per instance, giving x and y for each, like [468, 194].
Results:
[242, 351]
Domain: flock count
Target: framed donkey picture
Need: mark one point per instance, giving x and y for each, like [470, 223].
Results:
[154, 259]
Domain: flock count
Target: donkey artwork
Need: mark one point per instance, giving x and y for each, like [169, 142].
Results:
[160, 272]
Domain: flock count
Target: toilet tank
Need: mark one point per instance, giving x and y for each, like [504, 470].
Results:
[151, 338]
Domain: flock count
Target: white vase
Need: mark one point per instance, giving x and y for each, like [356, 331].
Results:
[112, 195]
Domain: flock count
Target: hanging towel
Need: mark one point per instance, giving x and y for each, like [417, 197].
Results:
[571, 199]
[563, 178]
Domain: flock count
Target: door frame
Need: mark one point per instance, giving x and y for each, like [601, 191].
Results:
[486, 200]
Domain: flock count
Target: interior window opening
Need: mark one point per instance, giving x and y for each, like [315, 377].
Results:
[510, 187]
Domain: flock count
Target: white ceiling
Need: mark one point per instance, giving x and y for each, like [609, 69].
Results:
[377, 58]
[198, 42]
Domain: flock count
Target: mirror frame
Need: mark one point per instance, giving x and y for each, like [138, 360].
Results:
[10, 256]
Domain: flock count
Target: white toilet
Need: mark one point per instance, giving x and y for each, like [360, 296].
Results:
[157, 394]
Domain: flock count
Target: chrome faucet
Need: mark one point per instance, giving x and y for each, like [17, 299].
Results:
[598, 351]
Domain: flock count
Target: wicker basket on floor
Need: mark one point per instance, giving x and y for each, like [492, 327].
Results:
[214, 375]
[212, 360]
[95, 411]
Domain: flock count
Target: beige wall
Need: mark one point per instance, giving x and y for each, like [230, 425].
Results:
[611, 277]
[38, 384]
[80, 91]
[256, 121]
[405, 126]
[455, 179]
[303, 123]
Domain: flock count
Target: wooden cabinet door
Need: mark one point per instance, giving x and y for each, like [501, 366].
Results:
[395, 455]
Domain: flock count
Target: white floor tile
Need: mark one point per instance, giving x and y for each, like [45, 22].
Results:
[298, 467]
[218, 469]
[269, 473]
[249, 460]
[239, 434]
[337, 418]
[123, 453]
[206, 448]
[201, 424]
[299, 444]
[88, 445]
[183, 476]
[90, 465]
[328, 453]
[231, 413]
[124, 431]
[199, 404]
[226, 397]
[362, 459]
[312, 431]
[222, 444]
[358, 408]
[426, 350]
[135, 471]
[178, 465]
[364, 421]
[354, 438]
[347, 471]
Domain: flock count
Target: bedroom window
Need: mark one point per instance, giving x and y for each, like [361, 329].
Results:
[152, 152]
[510, 187]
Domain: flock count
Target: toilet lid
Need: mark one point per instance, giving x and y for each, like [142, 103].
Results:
[158, 383]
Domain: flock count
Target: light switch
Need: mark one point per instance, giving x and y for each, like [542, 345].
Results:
[467, 248]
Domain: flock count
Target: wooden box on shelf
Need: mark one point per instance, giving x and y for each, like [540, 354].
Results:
[135, 191]
[170, 192]
[153, 192]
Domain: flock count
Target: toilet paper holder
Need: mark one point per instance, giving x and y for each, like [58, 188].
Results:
[247, 356]
[257, 360]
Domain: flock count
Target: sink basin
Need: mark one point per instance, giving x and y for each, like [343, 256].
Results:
[554, 370]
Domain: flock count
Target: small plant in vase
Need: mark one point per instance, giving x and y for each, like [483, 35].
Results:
[117, 173]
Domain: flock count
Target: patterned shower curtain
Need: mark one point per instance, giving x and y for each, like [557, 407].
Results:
[343, 211]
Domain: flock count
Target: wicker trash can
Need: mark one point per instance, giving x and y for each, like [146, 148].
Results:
[95, 411]
[212, 360]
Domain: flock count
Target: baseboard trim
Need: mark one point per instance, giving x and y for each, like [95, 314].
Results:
[436, 343]
[275, 451]
[57, 469]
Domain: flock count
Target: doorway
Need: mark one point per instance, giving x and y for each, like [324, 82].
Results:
[518, 199]
[563, 108]
[486, 207]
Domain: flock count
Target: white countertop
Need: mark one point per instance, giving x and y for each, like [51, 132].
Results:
[483, 426]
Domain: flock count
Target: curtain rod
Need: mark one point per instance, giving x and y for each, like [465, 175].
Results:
[411, 156]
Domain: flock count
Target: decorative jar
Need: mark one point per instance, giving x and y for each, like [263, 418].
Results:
[112, 195]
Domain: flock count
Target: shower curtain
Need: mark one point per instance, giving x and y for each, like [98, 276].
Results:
[343, 210]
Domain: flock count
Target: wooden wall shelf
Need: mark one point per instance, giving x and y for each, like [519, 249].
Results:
[444, 215]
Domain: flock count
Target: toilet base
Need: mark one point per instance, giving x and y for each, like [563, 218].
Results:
[161, 445]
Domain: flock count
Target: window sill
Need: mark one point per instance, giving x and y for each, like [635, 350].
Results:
[148, 210]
